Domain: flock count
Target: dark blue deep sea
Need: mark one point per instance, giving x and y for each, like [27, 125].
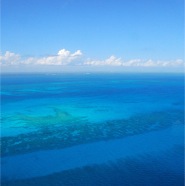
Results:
[90, 129]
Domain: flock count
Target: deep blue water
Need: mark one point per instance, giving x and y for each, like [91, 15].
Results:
[92, 129]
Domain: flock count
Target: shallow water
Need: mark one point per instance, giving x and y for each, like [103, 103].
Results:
[78, 129]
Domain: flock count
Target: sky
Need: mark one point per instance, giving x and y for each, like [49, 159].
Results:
[54, 35]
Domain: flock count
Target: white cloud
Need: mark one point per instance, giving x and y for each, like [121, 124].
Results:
[63, 53]
[77, 53]
[112, 60]
[10, 58]
[172, 63]
[132, 62]
[65, 57]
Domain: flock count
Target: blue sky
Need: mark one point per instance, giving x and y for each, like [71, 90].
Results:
[104, 32]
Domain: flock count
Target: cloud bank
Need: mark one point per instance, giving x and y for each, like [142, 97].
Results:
[111, 61]
[63, 57]
[66, 58]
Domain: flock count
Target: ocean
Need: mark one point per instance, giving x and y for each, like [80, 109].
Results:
[92, 129]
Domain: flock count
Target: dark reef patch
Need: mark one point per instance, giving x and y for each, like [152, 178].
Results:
[67, 131]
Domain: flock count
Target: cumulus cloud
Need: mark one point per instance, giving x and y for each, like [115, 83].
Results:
[152, 63]
[112, 60]
[10, 58]
[65, 57]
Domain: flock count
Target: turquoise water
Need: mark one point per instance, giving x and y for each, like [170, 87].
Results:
[92, 129]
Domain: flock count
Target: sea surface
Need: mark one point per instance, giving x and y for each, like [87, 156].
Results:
[92, 129]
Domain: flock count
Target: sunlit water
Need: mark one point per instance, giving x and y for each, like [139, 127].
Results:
[92, 129]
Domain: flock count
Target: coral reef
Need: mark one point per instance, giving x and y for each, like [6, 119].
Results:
[63, 130]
